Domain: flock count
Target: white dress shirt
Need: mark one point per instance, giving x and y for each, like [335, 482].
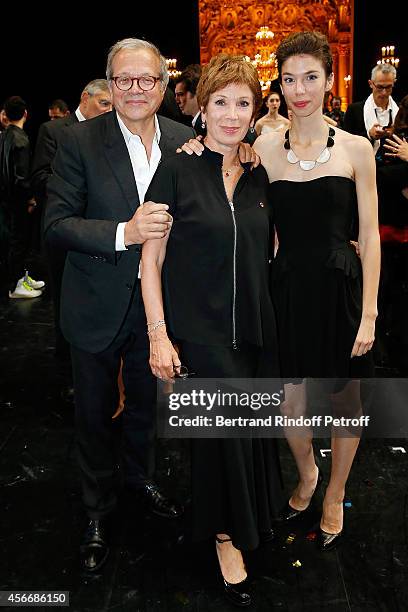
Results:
[196, 116]
[143, 168]
[375, 114]
[79, 115]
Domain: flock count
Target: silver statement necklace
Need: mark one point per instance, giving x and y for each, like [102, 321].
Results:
[309, 164]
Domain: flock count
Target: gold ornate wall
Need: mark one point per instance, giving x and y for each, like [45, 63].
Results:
[231, 26]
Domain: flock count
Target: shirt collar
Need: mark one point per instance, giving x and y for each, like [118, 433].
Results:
[217, 158]
[196, 116]
[389, 105]
[127, 134]
[79, 115]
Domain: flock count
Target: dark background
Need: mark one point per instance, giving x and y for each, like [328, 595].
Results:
[45, 55]
[378, 24]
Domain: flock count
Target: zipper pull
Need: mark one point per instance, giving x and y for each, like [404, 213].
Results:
[234, 345]
[232, 206]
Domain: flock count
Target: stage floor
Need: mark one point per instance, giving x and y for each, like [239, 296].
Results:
[153, 567]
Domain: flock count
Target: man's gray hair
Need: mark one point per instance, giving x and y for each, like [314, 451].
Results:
[385, 68]
[97, 86]
[136, 44]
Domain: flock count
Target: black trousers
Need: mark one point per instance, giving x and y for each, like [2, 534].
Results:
[56, 262]
[17, 220]
[96, 399]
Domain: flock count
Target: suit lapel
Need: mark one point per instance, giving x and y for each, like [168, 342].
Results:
[167, 142]
[118, 158]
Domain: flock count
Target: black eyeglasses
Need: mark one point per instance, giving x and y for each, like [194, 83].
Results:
[145, 83]
[382, 87]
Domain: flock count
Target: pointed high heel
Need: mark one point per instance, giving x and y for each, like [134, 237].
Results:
[238, 593]
[328, 541]
[290, 513]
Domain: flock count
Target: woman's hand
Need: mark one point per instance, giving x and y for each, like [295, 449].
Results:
[164, 359]
[247, 154]
[356, 246]
[398, 147]
[365, 337]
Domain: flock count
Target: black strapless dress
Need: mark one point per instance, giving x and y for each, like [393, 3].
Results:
[317, 279]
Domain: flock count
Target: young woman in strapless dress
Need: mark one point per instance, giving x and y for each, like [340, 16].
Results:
[323, 191]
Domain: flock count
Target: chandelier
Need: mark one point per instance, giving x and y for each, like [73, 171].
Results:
[172, 68]
[388, 57]
[264, 60]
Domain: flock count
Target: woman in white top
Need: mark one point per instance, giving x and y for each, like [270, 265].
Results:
[272, 121]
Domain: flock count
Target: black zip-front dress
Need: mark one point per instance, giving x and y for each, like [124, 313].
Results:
[219, 310]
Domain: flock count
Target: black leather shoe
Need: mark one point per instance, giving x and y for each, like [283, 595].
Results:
[94, 549]
[238, 593]
[328, 541]
[290, 513]
[158, 503]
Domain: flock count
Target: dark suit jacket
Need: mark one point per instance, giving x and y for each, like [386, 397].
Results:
[198, 127]
[91, 190]
[15, 186]
[354, 119]
[45, 150]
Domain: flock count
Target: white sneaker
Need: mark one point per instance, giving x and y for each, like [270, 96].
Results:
[24, 291]
[33, 283]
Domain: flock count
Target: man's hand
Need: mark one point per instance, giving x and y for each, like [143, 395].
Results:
[194, 145]
[247, 154]
[376, 132]
[149, 221]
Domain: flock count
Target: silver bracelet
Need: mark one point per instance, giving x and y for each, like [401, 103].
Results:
[155, 323]
[154, 326]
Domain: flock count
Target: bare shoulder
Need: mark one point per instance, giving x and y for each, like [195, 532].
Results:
[268, 142]
[358, 143]
[357, 149]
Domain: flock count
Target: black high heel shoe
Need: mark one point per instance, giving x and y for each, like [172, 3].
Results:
[290, 513]
[237, 594]
[328, 541]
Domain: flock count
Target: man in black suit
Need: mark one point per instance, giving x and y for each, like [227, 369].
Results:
[95, 100]
[186, 96]
[371, 117]
[95, 211]
[16, 201]
[58, 108]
